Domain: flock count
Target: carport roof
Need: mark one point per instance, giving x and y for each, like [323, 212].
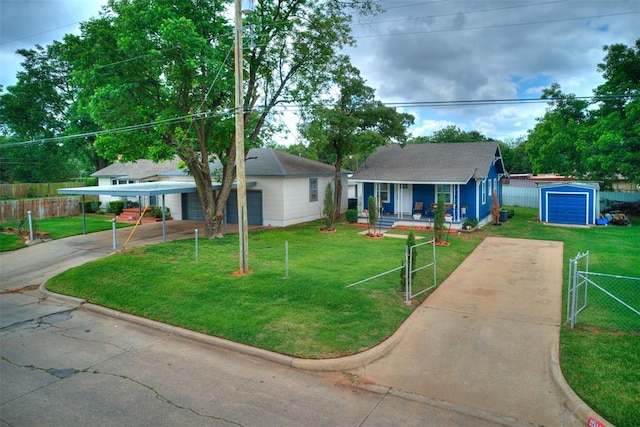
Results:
[141, 189]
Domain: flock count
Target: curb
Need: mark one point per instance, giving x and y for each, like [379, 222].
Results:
[64, 299]
[335, 364]
[575, 404]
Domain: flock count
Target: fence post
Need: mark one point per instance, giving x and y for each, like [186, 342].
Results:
[286, 258]
[407, 274]
[30, 225]
[113, 232]
[196, 245]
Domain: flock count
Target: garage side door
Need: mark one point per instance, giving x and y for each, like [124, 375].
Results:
[254, 207]
[567, 208]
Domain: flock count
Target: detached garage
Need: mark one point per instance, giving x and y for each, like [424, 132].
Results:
[570, 203]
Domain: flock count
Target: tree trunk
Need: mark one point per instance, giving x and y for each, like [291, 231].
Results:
[228, 176]
[337, 185]
[202, 176]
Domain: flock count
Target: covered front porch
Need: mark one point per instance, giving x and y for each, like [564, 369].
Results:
[415, 202]
[387, 221]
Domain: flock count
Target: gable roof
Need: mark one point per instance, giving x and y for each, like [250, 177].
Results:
[270, 162]
[136, 171]
[454, 163]
[259, 162]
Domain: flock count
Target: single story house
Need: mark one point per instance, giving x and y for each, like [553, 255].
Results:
[408, 179]
[282, 189]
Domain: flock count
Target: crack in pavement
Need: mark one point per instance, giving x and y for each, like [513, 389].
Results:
[162, 398]
[62, 374]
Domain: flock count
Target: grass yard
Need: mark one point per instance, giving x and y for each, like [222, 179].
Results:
[59, 228]
[311, 313]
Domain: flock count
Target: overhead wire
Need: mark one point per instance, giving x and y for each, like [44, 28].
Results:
[410, 104]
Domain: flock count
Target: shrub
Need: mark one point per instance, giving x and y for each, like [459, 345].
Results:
[438, 223]
[373, 213]
[470, 223]
[156, 212]
[328, 211]
[352, 215]
[91, 206]
[116, 207]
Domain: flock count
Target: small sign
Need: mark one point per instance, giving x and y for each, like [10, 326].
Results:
[594, 423]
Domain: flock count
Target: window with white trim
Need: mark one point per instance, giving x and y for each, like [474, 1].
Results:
[115, 181]
[384, 192]
[313, 189]
[495, 185]
[484, 191]
[489, 188]
[445, 190]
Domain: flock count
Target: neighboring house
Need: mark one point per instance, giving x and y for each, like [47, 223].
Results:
[282, 189]
[406, 179]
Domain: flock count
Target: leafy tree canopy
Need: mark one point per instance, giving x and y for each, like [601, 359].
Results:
[351, 122]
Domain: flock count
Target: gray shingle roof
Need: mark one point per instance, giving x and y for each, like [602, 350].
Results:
[430, 163]
[270, 162]
[140, 170]
[259, 162]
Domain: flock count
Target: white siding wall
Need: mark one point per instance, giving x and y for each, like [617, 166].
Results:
[272, 201]
[174, 203]
[298, 208]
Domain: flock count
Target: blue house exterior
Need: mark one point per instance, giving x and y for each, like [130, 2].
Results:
[408, 179]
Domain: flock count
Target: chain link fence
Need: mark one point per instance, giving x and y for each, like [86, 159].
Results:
[600, 300]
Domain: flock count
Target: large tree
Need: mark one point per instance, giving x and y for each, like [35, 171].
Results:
[164, 70]
[351, 122]
[39, 107]
[615, 136]
[451, 133]
[554, 144]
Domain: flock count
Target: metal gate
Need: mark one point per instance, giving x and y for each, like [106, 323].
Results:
[577, 294]
[409, 272]
[615, 303]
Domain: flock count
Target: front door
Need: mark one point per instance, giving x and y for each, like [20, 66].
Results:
[404, 199]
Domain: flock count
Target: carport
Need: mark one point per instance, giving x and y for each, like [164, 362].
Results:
[142, 189]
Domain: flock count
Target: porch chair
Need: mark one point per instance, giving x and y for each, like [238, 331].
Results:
[418, 207]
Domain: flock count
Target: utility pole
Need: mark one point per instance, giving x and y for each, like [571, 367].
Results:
[240, 170]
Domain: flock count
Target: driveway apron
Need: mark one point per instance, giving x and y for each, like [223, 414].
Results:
[484, 338]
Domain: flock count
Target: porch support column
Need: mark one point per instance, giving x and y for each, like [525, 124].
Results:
[400, 200]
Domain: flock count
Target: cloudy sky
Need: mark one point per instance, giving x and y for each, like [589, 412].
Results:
[427, 52]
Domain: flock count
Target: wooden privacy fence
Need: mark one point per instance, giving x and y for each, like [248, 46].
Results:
[45, 189]
[41, 208]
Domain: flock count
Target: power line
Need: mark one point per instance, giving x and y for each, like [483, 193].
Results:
[294, 107]
[549, 21]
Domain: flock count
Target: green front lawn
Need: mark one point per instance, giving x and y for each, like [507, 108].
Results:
[309, 314]
[59, 228]
[312, 314]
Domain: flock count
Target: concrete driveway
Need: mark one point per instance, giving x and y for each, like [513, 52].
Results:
[479, 352]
